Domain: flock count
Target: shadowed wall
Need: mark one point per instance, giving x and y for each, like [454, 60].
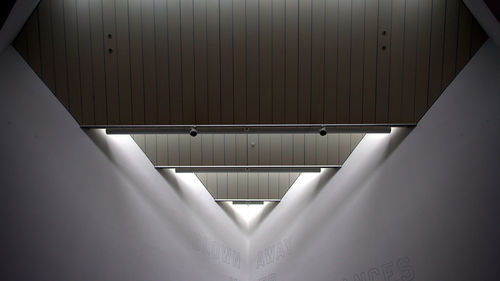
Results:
[92, 207]
[419, 205]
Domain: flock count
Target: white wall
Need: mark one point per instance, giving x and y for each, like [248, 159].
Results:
[424, 207]
[92, 207]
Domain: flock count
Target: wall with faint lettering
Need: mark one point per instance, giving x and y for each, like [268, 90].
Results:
[413, 205]
[78, 205]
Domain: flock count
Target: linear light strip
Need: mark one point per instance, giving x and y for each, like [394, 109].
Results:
[253, 129]
[249, 169]
[247, 201]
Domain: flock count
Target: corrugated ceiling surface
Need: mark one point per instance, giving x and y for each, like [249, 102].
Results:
[247, 149]
[248, 62]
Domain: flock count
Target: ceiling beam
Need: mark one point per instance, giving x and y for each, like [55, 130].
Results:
[250, 169]
[256, 129]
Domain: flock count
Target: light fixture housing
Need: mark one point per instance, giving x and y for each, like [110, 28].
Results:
[323, 131]
[250, 169]
[248, 201]
[193, 132]
[255, 129]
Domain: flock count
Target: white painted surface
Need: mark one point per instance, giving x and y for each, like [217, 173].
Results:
[92, 207]
[424, 207]
[75, 208]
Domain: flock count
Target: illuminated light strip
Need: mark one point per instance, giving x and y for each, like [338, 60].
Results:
[253, 129]
[250, 169]
[247, 201]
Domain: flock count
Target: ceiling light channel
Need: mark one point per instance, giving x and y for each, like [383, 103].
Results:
[194, 130]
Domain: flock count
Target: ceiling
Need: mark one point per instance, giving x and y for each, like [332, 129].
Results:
[173, 62]
[181, 150]
[247, 186]
[117, 64]
[226, 163]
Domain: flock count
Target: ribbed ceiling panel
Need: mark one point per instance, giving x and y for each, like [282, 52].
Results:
[248, 62]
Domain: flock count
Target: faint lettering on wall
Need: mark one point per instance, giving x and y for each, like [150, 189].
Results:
[275, 253]
[400, 269]
[216, 251]
[270, 277]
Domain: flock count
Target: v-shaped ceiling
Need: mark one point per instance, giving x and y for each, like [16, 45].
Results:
[248, 62]
[242, 150]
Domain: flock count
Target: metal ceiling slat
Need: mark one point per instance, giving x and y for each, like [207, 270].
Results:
[174, 62]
